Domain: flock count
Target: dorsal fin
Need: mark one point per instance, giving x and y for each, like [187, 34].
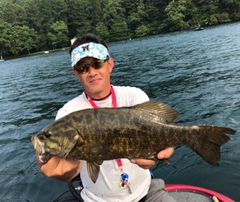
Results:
[160, 109]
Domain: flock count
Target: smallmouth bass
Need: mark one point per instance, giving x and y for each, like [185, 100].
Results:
[141, 131]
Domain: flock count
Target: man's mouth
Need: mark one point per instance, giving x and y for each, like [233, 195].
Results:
[94, 81]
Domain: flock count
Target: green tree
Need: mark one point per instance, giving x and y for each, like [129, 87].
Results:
[5, 32]
[138, 17]
[115, 18]
[119, 31]
[141, 28]
[58, 34]
[142, 31]
[16, 39]
[80, 19]
[13, 12]
[156, 15]
[96, 12]
[102, 30]
[40, 17]
[59, 9]
[27, 38]
[113, 12]
[111, 19]
[41, 14]
[175, 15]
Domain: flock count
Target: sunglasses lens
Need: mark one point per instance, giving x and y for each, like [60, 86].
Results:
[98, 64]
[82, 69]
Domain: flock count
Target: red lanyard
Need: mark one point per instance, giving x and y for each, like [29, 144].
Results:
[114, 100]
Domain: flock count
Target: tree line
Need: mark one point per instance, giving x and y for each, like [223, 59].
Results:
[28, 26]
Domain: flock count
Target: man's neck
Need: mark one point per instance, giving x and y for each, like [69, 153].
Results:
[99, 96]
[99, 99]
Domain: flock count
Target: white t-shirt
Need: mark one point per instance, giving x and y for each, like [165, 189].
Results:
[107, 187]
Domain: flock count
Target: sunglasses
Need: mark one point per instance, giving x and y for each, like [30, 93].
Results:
[84, 68]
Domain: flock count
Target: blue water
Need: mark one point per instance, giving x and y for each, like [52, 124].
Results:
[198, 73]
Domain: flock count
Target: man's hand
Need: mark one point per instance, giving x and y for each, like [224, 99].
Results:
[146, 164]
[61, 169]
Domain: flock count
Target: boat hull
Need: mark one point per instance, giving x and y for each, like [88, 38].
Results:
[181, 190]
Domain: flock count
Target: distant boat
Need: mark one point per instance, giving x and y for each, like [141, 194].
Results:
[199, 27]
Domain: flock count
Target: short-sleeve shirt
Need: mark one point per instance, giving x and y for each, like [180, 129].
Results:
[107, 187]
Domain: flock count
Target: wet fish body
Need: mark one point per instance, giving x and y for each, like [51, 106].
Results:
[140, 131]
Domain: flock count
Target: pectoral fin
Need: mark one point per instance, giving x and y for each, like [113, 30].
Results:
[93, 170]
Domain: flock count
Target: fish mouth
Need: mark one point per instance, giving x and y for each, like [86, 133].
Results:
[37, 144]
[43, 156]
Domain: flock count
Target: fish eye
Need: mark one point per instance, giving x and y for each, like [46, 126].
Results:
[48, 134]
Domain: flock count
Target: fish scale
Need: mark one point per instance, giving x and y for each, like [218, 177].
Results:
[140, 131]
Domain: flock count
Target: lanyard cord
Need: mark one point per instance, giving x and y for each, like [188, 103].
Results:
[114, 100]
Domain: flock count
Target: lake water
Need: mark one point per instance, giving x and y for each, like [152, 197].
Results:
[198, 73]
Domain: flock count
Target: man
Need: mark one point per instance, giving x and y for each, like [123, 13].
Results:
[120, 179]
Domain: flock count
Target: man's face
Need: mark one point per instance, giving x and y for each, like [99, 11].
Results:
[95, 81]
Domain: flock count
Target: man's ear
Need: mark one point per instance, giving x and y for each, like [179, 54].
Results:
[75, 72]
[111, 64]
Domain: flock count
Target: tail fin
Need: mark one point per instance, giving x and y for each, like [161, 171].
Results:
[213, 137]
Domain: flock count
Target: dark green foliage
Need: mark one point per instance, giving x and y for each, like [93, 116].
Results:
[35, 25]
